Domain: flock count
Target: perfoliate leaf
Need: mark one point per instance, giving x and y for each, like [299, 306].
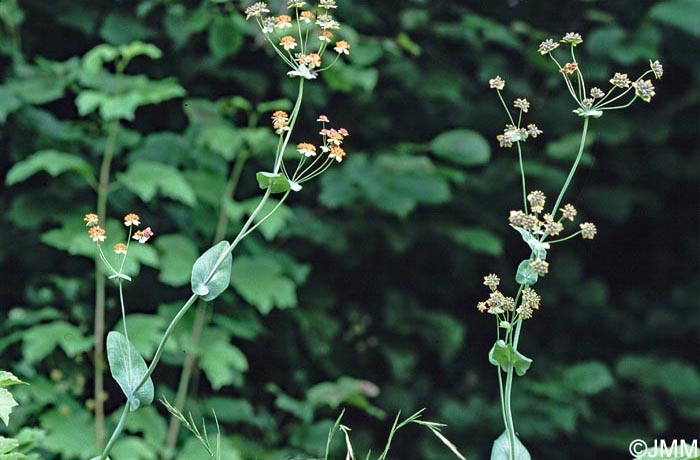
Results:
[501, 449]
[128, 368]
[505, 356]
[277, 183]
[525, 274]
[211, 274]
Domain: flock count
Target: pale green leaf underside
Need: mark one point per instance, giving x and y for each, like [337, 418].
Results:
[127, 368]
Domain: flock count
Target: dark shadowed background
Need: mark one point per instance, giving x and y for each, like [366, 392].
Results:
[373, 272]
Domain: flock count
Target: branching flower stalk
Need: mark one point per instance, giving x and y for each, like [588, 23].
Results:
[539, 229]
[212, 271]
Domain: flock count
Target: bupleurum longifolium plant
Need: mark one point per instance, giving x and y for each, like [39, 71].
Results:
[539, 226]
[307, 55]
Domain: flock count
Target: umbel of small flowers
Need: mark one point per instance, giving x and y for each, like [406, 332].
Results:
[302, 37]
[595, 101]
[99, 235]
[312, 161]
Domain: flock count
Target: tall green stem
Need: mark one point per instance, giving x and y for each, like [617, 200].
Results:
[200, 318]
[99, 325]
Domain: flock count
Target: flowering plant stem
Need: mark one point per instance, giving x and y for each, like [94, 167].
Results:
[248, 227]
[514, 338]
[99, 325]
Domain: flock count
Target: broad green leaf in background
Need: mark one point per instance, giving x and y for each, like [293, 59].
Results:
[501, 449]
[145, 331]
[177, 254]
[681, 14]
[50, 161]
[222, 362]
[207, 282]
[39, 341]
[262, 282]
[146, 179]
[478, 240]
[9, 102]
[128, 368]
[589, 377]
[462, 146]
[68, 431]
[7, 402]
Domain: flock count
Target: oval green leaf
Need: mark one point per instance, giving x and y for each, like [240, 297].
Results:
[462, 146]
[128, 368]
[501, 449]
[211, 273]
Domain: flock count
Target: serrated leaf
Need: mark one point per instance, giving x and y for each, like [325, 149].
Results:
[177, 255]
[222, 362]
[7, 402]
[501, 449]
[211, 273]
[147, 178]
[50, 161]
[462, 146]
[525, 274]
[277, 183]
[8, 379]
[261, 282]
[41, 340]
[128, 368]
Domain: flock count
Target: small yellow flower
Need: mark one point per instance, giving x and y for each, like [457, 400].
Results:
[307, 16]
[551, 227]
[342, 47]
[537, 200]
[533, 131]
[325, 36]
[517, 218]
[335, 137]
[492, 281]
[120, 248]
[132, 219]
[313, 60]
[620, 80]
[568, 212]
[256, 9]
[337, 153]
[280, 121]
[572, 38]
[283, 21]
[481, 306]
[143, 235]
[588, 231]
[597, 93]
[91, 220]
[97, 234]
[525, 311]
[547, 46]
[327, 4]
[522, 104]
[644, 90]
[569, 68]
[288, 42]
[657, 68]
[306, 149]
[497, 83]
[531, 298]
[540, 267]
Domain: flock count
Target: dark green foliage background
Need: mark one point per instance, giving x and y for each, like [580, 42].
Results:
[374, 271]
